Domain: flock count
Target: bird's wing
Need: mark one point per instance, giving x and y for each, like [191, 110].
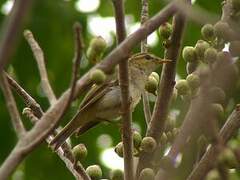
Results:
[95, 93]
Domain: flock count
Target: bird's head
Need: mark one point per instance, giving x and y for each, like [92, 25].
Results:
[146, 62]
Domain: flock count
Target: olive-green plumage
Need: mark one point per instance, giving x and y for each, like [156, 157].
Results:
[103, 102]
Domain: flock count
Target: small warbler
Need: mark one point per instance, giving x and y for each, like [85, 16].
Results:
[103, 102]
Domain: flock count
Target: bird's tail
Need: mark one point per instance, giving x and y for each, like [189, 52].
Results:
[68, 130]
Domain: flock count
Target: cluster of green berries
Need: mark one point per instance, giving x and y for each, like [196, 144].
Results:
[96, 49]
[189, 86]
[146, 144]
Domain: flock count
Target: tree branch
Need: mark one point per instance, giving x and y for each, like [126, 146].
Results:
[12, 107]
[38, 53]
[11, 29]
[144, 48]
[165, 90]
[125, 95]
[209, 158]
[51, 118]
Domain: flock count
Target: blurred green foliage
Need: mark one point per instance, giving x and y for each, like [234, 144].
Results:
[51, 23]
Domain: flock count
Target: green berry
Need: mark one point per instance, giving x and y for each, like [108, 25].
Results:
[148, 144]
[213, 175]
[80, 152]
[210, 55]
[117, 174]
[189, 54]
[208, 32]
[94, 171]
[191, 67]
[96, 48]
[137, 138]
[218, 110]
[222, 30]
[98, 44]
[217, 95]
[155, 75]
[182, 87]
[97, 76]
[193, 81]
[166, 163]
[227, 158]
[151, 85]
[234, 48]
[163, 139]
[165, 30]
[119, 149]
[147, 174]
[200, 48]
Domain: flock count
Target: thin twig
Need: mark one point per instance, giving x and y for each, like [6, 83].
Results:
[165, 90]
[76, 61]
[38, 53]
[64, 152]
[208, 160]
[11, 29]
[36, 113]
[12, 107]
[50, 119]
[144, 48]
[125, 95]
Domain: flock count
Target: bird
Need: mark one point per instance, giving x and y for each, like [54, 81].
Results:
[103, 102]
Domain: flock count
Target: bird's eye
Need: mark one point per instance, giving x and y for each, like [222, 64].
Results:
[148, 57]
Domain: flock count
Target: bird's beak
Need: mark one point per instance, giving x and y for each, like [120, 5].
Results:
[162, 61]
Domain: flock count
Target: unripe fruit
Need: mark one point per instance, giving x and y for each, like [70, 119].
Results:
[96, 49]
[166, 163]
[182, 87]
[155, 75]
[213, 175]
[200, 48]
[148, 144]
[94, 171]
[80, 152]
[117, 174]
[208, 32]
[147, 174]
[217, 95]
[163, 139]
[151, 85]
[191, 67]
[189, 54]
[137, 139]
[97, 76]
[234, 48]
[218, 110]
[98, 44]
[227, 158]
[165, 30]
[193, 81]
[210, 55]
[119, 149]
[222, 30]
